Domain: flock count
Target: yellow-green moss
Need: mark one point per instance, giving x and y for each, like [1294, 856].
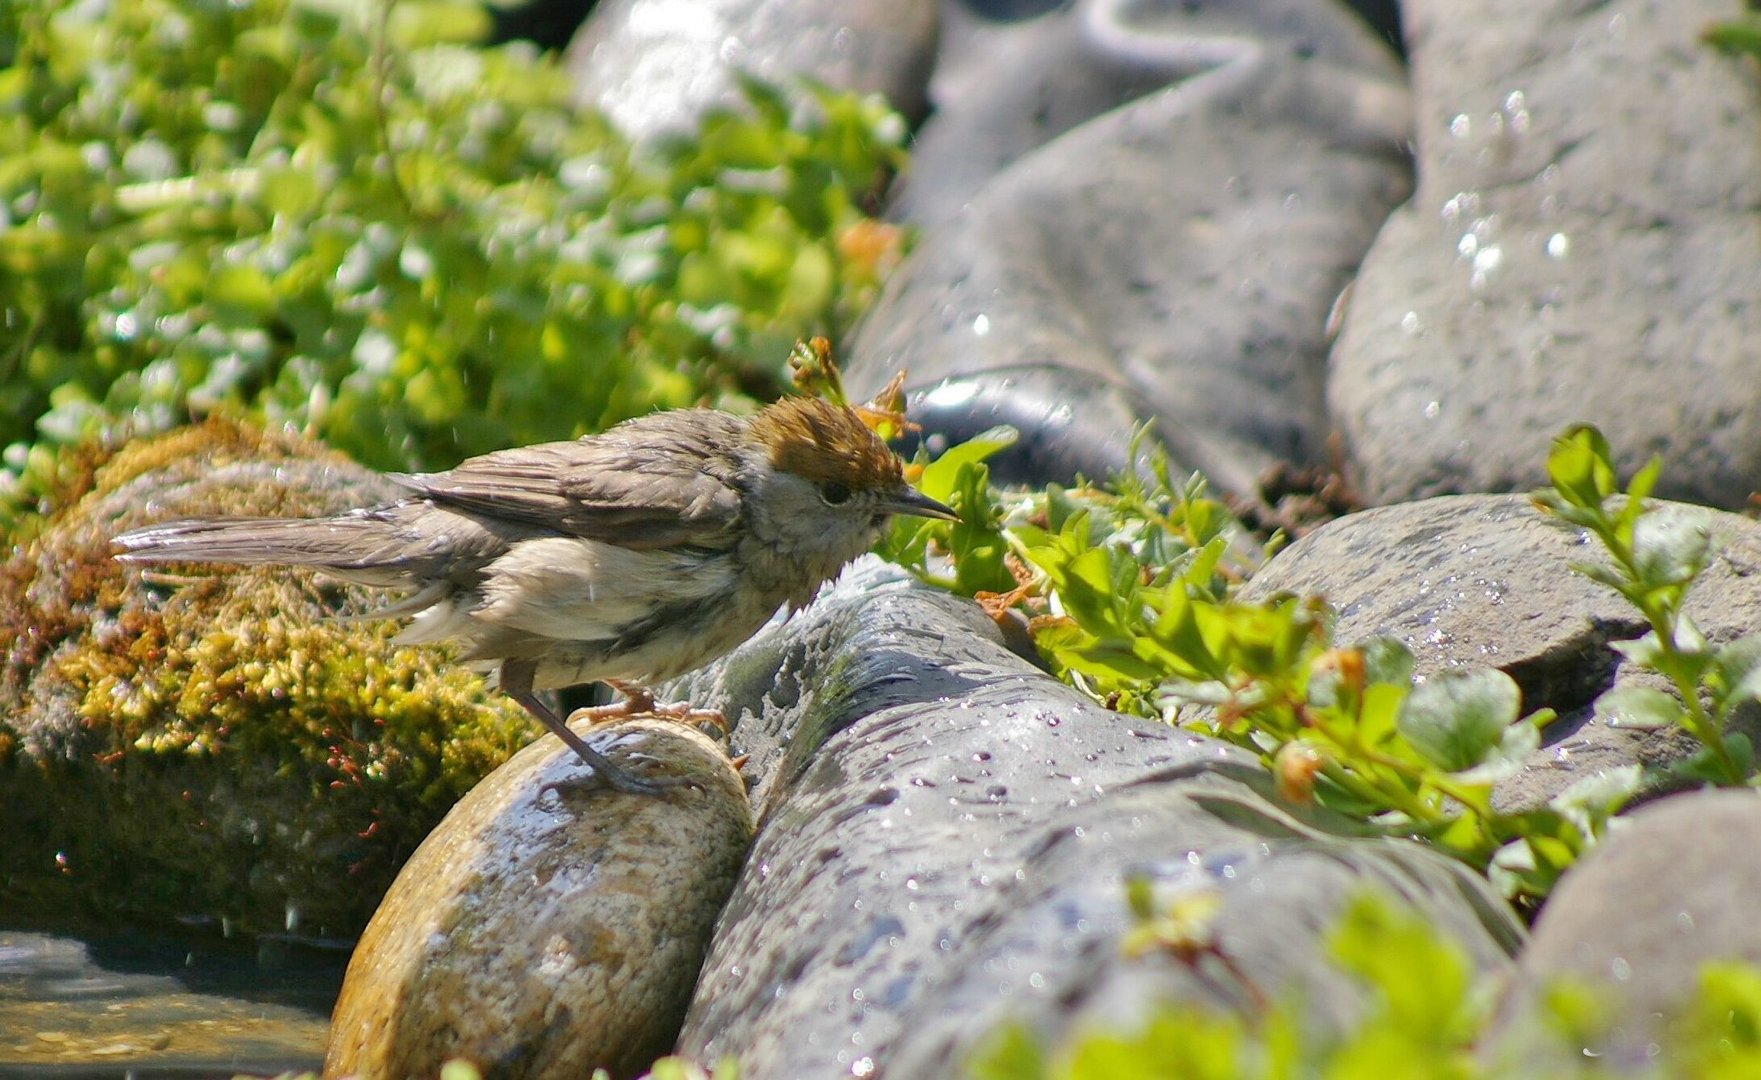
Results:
[214, 743]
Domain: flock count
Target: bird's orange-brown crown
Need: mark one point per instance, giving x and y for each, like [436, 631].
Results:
[825, 443]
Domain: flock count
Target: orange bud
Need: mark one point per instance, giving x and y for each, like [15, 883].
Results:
[1294, 770]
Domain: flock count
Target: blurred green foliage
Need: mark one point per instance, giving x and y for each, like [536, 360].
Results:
[345, 217]
[1424, 1016]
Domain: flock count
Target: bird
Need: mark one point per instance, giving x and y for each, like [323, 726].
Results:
[627, 557]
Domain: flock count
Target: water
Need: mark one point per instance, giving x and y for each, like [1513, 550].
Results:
[117, 1005]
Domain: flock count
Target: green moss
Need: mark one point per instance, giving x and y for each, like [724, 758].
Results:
[217, 744]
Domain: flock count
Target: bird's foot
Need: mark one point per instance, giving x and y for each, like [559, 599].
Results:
[615, 779]
[639, 701]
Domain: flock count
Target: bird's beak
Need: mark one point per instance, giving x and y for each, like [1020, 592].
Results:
[916, 503]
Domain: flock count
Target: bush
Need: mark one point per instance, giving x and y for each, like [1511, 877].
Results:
[345, 219]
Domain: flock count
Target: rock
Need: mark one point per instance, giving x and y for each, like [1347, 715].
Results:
[543, 931]
[71, 1009]
[1580, 247]
[1635, 922]
[218, 747]
[1172, 259]
[945, 838]
[1486, 581]
[1007, 88]
[655, 67]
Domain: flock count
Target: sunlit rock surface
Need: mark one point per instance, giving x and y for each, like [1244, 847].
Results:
[946, 839]
[1637, 923]
[655, 67]
[1140, 212]
[550, 926]
[1581, 246]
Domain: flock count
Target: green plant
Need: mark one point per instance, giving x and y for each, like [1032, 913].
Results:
[341, 216]
[1131, 592]
[1654, 559]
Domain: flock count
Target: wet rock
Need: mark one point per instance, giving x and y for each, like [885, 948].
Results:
[945, 840]
[1486, 581]
[546, 928]
[655, 67]
[216, 747]
[1580, 247]
[1180, 193]
[69, 1009]
[1635, 922]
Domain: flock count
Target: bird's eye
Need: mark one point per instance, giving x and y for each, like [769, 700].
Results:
[834, 493]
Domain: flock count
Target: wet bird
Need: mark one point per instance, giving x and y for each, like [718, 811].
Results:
[627, 557]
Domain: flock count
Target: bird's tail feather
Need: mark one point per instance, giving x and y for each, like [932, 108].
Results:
[356, 546]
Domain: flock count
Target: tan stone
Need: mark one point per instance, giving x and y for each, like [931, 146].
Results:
[543, 931]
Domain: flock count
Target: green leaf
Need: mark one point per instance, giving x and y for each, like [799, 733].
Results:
[1644, 651]
[1581, 466]
[1379, 716]
[1740, 36]
[1518, 743]
[1422, 979]
[1386, 660]
[941, 477]
[1590, 802]
[1457, 718]
[1737, 666]
[1671, 548]
[1010, 1052]
[1639, 707]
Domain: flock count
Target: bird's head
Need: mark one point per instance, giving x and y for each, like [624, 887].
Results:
[826, 484]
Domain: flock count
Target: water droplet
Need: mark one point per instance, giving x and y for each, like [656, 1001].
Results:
[1558, 246]
[981, 326]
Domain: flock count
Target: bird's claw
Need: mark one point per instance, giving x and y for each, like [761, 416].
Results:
[615, 779]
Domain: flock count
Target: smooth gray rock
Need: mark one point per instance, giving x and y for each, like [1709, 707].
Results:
[1581, 247]
[1172, 259]
[1636, 920]
[655, 67]
[1004, 88]
[1486, 581]
[945, 839]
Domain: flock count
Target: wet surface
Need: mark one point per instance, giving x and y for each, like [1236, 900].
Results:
[118, 1004]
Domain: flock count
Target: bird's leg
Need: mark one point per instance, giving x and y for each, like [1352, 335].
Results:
[516, 683]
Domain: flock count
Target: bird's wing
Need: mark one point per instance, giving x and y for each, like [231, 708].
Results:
[640, 485]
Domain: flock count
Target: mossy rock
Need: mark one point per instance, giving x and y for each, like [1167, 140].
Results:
[218, 744]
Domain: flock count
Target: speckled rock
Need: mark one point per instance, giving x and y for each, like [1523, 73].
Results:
[1672, 890]
[655, 67]
[1581, 247]
[1180, 193]
[946, 838]
[1486, 580]
[544, 931]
